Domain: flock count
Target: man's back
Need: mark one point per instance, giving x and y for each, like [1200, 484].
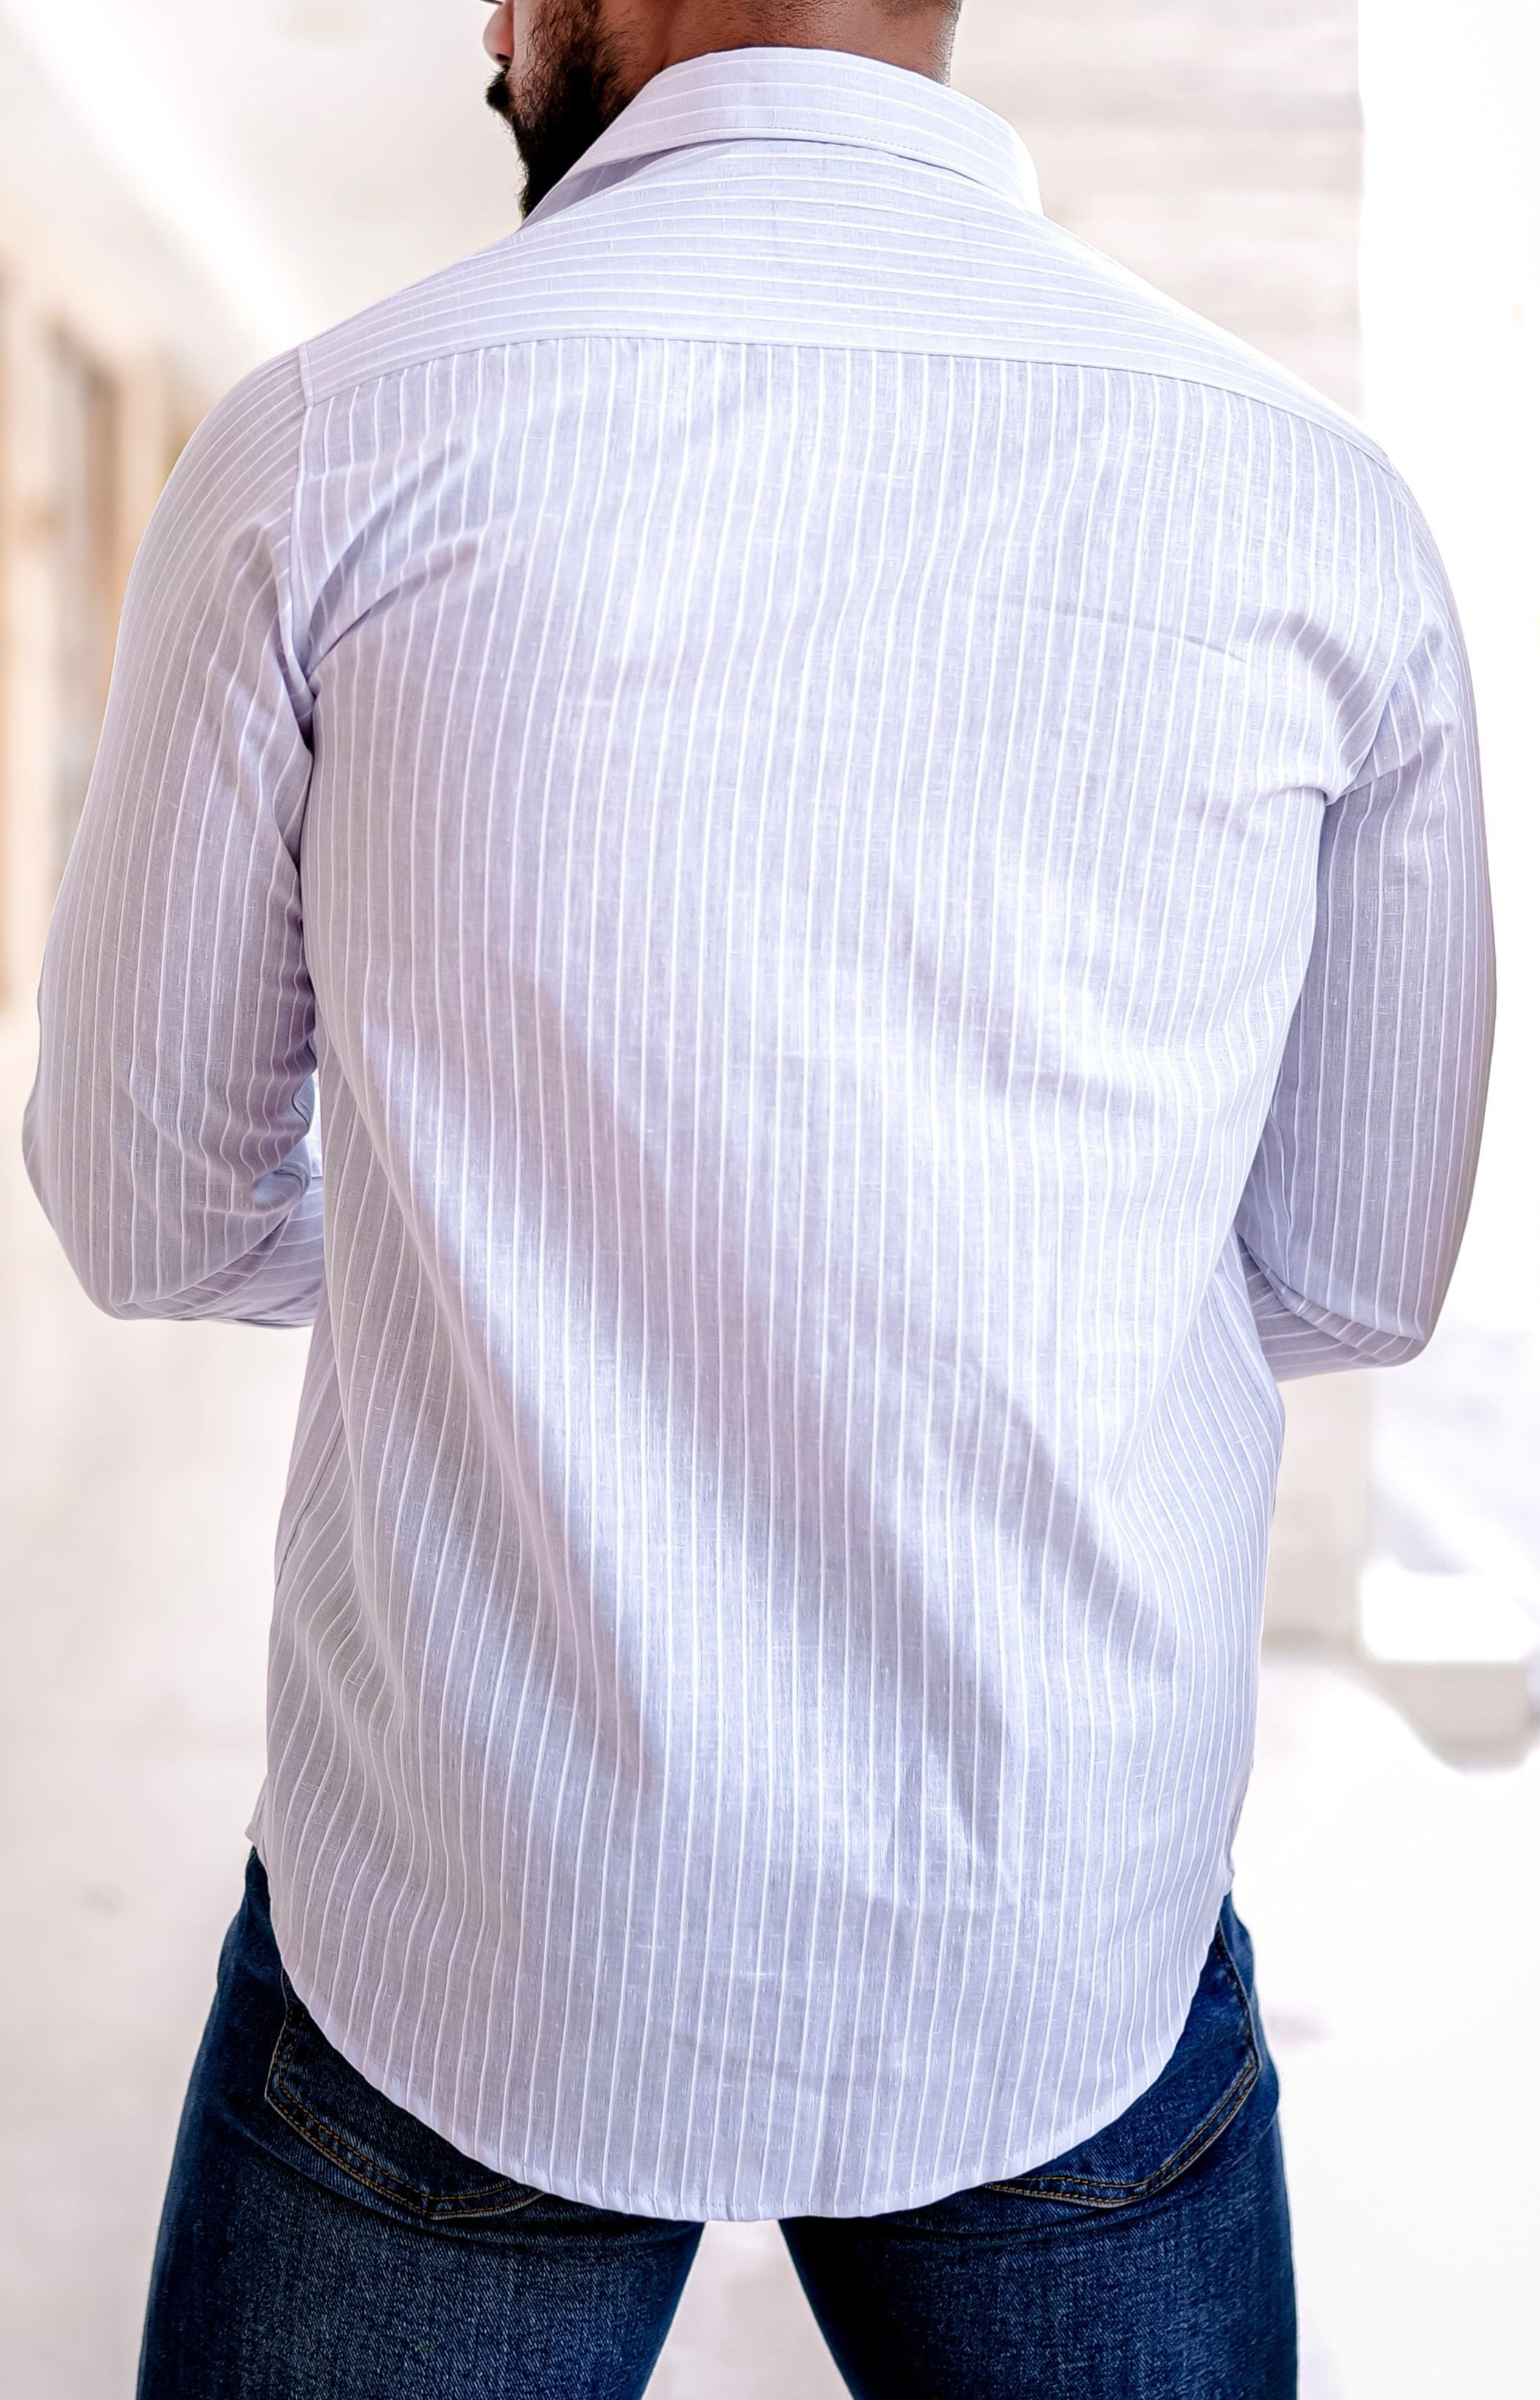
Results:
[816, 752]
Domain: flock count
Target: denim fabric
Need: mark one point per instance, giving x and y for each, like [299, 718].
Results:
[319, 2243]
[1152, 2263]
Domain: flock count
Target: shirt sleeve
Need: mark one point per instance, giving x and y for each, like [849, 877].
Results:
[169, 1135]
[1353, 1216]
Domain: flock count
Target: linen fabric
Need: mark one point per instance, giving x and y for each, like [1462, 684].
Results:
[871, 837]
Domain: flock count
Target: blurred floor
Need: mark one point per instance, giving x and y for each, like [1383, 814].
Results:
[1393, 1901]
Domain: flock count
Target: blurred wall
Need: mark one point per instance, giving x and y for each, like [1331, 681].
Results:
[111, 347]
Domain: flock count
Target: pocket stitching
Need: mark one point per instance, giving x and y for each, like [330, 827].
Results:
[1203, 2137]
[330, 2144]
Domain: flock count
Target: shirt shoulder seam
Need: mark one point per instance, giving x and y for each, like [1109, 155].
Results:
[286, 594]
[1325, 413]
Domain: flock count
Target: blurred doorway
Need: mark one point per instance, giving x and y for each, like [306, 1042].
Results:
[83, 427]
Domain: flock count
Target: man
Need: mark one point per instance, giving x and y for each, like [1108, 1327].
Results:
[870, 837]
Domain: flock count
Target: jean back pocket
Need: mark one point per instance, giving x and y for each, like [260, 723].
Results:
[371, 2142]
[1212, 2074]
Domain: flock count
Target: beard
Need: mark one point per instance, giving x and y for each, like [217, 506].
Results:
[572, 87]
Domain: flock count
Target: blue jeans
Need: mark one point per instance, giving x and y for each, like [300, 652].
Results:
[319, 2244]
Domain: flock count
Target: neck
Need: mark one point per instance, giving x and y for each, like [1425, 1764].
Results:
[918, 37]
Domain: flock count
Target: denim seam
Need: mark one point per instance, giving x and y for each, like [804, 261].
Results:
[1083, 2190]
[336, 2147]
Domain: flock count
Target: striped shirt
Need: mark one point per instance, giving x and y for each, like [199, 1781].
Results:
[870, 836]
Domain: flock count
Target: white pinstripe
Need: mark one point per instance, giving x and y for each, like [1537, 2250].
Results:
[868, 827]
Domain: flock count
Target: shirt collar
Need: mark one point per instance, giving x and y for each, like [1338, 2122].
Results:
[830, 97]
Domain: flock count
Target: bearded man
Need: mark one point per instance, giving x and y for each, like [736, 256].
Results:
[869, 835]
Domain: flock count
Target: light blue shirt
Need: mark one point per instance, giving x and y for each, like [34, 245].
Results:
[872, 835]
